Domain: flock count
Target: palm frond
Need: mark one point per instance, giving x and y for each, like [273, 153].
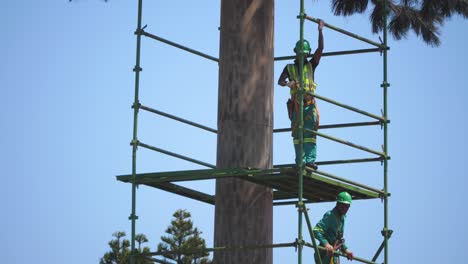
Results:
[377, 16]
[346, 7]
[461, 7]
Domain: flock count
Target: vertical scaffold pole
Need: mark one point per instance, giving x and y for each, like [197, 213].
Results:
[300, 130]
[385, 85]
[136, 105]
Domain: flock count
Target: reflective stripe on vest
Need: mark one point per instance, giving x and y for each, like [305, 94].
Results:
[308, 77]
[306, 140]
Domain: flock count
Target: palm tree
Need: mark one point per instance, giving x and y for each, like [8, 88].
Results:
[423, 17]
[243, 211]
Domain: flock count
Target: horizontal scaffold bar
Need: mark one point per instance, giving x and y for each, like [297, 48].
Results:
[190, 175]
[328, 178]
[356, 124]
[183, 191]
[331, 162]
[343, 255]
[176, 155]
[346, 143]
[206, 250]
[293, 202]
[349, 161]
[354, 109]
[177, 118]
[333, 53]
[346, 33]
[144, 33]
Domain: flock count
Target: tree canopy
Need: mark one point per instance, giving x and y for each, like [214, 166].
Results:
[120, 250]
[182, 236]
[423, 17]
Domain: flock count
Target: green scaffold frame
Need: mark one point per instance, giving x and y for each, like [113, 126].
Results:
[288, 181]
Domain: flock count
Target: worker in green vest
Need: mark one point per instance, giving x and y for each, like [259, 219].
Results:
[290, 78]
[329, 231]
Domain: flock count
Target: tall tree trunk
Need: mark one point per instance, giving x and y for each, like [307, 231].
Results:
[243, 213]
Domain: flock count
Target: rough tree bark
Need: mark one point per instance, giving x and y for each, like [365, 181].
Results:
[243, 213]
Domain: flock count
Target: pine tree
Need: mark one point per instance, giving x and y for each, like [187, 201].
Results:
[183, 237]
[120, 250]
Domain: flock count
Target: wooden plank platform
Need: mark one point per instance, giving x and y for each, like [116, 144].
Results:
[317, 186]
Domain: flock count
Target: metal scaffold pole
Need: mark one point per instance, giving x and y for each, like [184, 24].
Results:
[134, 142]
[385, 85]
[300, 130]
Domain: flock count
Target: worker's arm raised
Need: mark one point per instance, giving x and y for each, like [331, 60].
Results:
[319, 50]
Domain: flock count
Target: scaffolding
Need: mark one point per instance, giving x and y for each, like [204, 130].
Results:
[288, 181]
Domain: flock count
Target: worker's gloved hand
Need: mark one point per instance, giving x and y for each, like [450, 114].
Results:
[292, 84]
[329, 249]
[349, 254]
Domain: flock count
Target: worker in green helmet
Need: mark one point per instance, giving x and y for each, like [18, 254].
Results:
[290, 78]
[329, 231]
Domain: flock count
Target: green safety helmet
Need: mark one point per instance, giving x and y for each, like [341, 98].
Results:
[306, 47]
[344, 197]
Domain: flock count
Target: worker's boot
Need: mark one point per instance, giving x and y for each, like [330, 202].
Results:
[312, 165]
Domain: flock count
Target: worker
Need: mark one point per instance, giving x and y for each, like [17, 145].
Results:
[329, 231]
[290, 78]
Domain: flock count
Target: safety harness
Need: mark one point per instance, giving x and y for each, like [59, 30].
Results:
[309, 85]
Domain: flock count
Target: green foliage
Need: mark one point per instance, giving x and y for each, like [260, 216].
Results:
[185, 239]
[120, 250]
[423, 17]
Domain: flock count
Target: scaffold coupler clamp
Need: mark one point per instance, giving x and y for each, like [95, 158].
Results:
[141, 30]
[381, 47]
[301, 207]
[298, 243]
[136, 105]
[133, 217]
[134, 143]
[387, 233]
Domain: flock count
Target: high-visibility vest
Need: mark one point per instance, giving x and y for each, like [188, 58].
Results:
[307, 74]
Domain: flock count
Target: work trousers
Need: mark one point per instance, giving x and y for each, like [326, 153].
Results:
[309, 146]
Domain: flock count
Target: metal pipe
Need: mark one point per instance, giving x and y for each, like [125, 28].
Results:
[300, 164]
[137, 70]
[357, 124]
[311, 232]
[346, 32]
[177, 118]
[331, 162]
[381, 119]
[343, 255]
[347, 143]
[385, 115]
[348, 161]
[144, 33]
[206, 250]
[176, 155]
[290, 203]
[379, 250]
[334, 53]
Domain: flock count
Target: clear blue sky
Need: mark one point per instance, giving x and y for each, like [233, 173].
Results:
[68, 85]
